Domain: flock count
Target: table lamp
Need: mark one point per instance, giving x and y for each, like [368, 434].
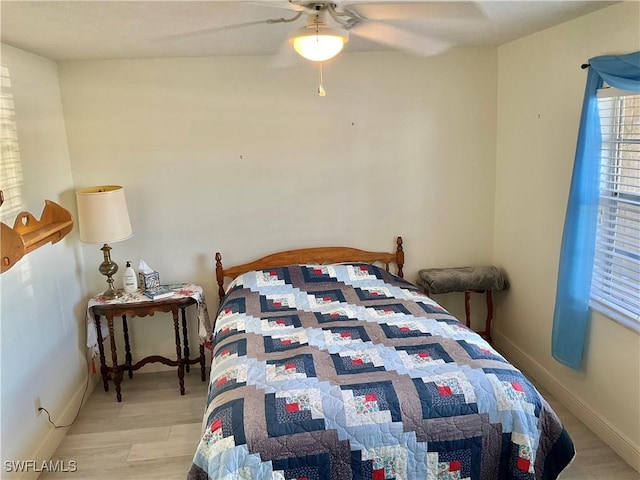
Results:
[103, 218]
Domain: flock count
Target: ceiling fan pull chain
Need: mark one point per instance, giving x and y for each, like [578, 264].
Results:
[321, 91]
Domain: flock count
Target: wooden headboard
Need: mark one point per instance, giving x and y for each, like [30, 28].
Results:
[318, 255]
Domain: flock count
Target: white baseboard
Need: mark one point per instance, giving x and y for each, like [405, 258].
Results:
[54, 436]
[619, 442]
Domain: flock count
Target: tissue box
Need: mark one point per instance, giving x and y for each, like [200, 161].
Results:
[148, 280]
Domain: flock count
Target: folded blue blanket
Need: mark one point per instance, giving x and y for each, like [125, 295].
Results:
[444, 280]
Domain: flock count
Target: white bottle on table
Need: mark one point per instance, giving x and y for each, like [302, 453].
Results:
[130, 279]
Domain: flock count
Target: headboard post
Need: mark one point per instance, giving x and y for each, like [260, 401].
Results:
[220, 276]
[399, 257]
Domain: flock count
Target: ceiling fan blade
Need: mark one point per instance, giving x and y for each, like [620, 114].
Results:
[425, 10]
[280, 4]
[402, 39]
[211, 30]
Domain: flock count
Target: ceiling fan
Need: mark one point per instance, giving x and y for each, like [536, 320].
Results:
[388, 22]
[329, 25]
[319, 41]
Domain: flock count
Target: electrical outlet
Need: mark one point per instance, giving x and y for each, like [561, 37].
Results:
[37, 405]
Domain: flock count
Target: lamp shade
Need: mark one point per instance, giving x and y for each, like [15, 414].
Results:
[102, 214]
[318, 42]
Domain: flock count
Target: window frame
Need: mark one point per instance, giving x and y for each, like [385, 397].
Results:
[605, 280]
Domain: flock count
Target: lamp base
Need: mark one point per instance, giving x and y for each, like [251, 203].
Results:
[111, 292]
[109, 268]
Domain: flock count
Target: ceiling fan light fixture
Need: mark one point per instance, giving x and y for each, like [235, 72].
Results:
[318, 42]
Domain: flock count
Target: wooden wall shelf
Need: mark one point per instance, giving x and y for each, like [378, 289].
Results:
[28, 233]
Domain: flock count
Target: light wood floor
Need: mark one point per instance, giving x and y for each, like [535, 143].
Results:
[153, 434]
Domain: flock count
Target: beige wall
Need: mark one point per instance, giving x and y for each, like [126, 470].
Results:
[42, 317]
[233, 155]
[540, 90]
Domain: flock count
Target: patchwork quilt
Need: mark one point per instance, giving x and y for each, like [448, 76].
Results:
[347, 372]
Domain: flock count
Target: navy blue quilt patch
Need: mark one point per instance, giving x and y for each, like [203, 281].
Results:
[445, 396]
[237, 348]
[431, 309]
[346, 334]
[293, 411]
[326, 297]
[308, 467]
[404, 330]
[227, 380]
[228, 331]
[390, 309]
[273, 274]
[479, 353]
[371, 402]
[276, 304]
[363, 361]
[317, 273]
[334, 316]
[282, 321]
[299, 366]
[517, 387]
[421, 354]
[367, 269]
[372, 294]
[459, 458]
[516, 461]
[280, 343]
[234, 305]
[227, 421]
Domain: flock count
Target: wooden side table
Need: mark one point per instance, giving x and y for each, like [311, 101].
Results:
[141, 309]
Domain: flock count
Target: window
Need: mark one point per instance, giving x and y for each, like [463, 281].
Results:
[615, 289]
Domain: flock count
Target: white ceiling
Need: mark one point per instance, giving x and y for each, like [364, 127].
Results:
[80, 30]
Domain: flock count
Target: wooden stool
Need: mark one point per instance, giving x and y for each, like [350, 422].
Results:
[468, 280]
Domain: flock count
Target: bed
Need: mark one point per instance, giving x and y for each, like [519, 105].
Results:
[326, 365]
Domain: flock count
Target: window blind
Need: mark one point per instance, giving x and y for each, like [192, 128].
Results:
[615, 289]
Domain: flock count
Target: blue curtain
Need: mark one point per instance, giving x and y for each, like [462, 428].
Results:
[572, 316]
